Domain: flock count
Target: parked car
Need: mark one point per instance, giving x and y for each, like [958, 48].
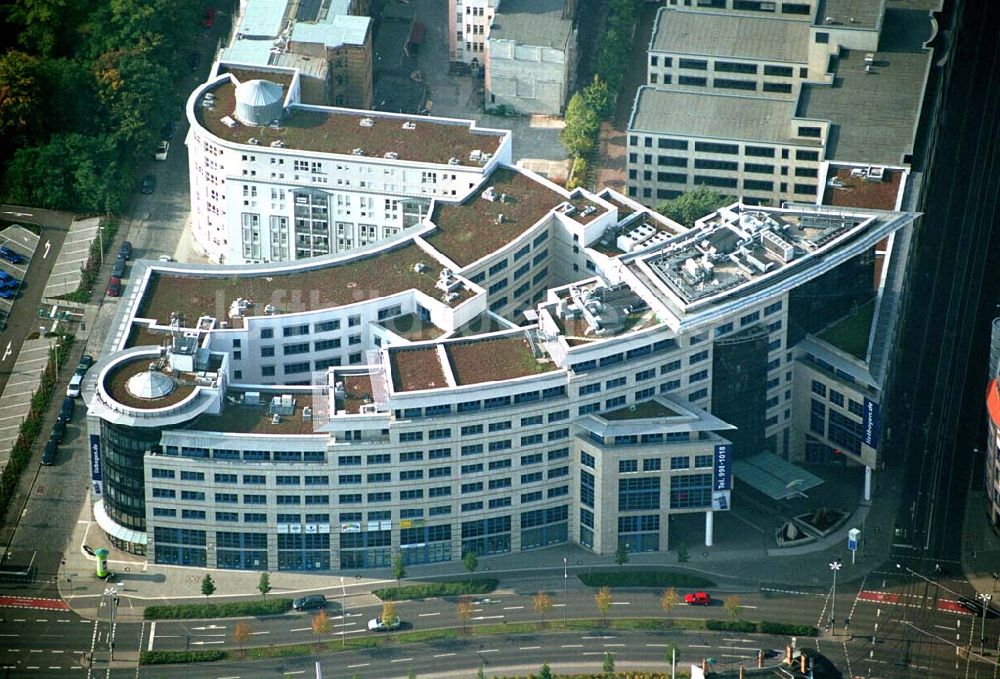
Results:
[698, 599]
[305, 603]
[8, 294]
[162, 150]
[84, 365]
[167, 131]
[125, 250]
[58, 429]
[383, 624]
[4, 276]
[148, 184]
[73, 388]
[10, 255]
[66, 412]
[114, 287]
[49, 454]
[118, 268]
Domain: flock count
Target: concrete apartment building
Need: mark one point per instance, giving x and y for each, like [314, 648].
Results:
[740, 145]
[531, 56]
[856, 69]
[469, 24]
[525, 366]
[329, 43]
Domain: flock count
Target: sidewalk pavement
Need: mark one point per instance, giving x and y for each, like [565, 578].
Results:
[139, 583]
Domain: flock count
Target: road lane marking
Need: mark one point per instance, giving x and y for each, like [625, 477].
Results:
[528, 648]
[45, 254]
[402, 660]
[621, 603]
[236, 677]
[699, 646]
[58, 651]
[487, 617]
[7, 352]
[301, 629]
[291, 672]
[253, 634]
[571, 646]
[353, 667]
[595, 652]
[558, 605]
[205, 643]
[152, 635]
[512, 608]
[658, 645]
[490, 650]
[427, 615]
[614, 645]
[444, 655]
[747, 606]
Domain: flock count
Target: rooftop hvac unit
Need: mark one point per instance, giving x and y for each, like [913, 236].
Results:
[490, 194]
[277, 144]
[276, 419]
[253, 141]
[338, 390]
[357, 152]
[269, 309]
[367, 122]
[454, 161]
[409, 125]
[307, 413]
[419, 267]
[251, 398]
[369, 409]
[228, 121]
[476, 155]
[391, 155]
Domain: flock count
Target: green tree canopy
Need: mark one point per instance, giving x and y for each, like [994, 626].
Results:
[582, 123]
[692, 205]
[19, 96]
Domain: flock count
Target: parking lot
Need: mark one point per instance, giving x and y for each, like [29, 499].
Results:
[23, 242]
[66, 272]
[24, 379]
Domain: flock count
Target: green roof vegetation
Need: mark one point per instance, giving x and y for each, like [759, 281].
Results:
[850, 333]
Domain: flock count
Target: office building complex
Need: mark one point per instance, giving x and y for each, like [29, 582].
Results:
[522, 366]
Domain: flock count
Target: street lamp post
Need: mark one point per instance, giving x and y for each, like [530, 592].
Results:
[985, 598]
[343, 613]
[835, 566]
[565, 590]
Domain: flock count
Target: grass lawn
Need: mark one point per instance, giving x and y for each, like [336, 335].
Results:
[851, 333]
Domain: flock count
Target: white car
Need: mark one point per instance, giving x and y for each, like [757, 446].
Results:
[162, 150]
[73, 390]
[380, 625]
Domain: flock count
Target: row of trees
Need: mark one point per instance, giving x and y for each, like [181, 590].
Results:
[83, 94]
[587, 107]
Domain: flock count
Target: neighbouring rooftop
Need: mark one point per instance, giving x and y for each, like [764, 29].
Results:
[593, 311]
[661, 110]
[874, 114]
[640, 411]
[730, 36]
[532, 22]
[857, 187]
[240, 418]
[411, 327]
[416, 369]
[323, 286]
[333, 130]
[494, 359]
[472, 229]
[863, 14]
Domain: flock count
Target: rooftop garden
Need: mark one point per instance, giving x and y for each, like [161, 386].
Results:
[244, 419]
[489, 360]
[414, 369]
[640, 411]
[116, 384]
[341, 132]
[472, 229]
[322, 287]
[850, 333]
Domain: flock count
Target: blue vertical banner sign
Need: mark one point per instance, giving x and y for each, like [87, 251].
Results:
[95, 464]
[723, 476]
[869, 423]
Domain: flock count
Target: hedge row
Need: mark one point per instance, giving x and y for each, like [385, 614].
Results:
[225, 610]
[92, 266]
[436, 589]
[171, 657]
[764, 626]
[20, 455]
[630, 578]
